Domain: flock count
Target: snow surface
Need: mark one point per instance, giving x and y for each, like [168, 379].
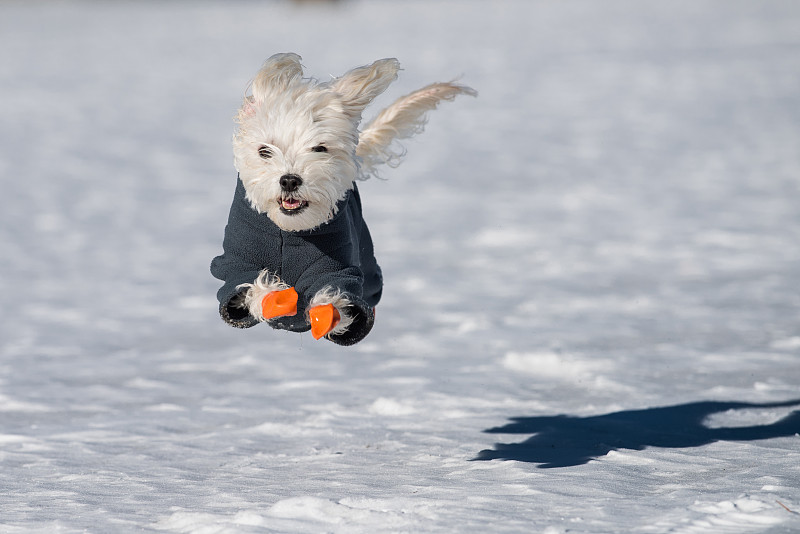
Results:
[590, 321]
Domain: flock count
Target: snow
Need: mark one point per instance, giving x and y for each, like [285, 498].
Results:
[590, 321]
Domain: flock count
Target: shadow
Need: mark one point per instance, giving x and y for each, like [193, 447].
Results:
[563, 440]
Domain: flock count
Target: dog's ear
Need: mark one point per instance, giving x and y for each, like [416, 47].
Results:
[278, 72]
[361, 85]
[377, 143]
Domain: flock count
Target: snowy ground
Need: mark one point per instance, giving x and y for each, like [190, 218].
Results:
[590, 321]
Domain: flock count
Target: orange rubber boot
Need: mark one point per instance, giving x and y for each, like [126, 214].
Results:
[323, 319]
[279, 303]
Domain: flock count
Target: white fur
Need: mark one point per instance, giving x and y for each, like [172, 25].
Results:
[329, 295]
[288, 116]
[401, 120]
[265, 283]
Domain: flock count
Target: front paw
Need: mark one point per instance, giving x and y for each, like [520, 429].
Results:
[268, 297]
[281, 303]
[354, 322]
[324, 319]
[329, 312]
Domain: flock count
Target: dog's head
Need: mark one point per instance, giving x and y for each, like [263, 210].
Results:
[295, 147]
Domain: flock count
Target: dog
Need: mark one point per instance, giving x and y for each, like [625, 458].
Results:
[296, 251]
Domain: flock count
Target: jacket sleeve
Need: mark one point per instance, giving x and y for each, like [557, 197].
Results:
[245, 255]
[233, 271]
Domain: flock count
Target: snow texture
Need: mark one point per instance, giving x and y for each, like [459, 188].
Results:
[591, 315]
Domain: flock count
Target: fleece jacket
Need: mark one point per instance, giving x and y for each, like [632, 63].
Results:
[339, 254]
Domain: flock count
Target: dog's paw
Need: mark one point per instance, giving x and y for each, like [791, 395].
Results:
[329, 313]
[268, 297]
[281, 303]
[323, 319]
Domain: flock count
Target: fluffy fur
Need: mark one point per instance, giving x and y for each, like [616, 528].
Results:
[298, 149]
[288, 119]
[254, 293]
[329, 295]
[401, 120]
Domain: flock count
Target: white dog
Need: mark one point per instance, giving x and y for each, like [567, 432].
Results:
[296, 251]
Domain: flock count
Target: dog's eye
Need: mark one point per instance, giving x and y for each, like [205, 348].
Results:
[320, 148]
[264, 152]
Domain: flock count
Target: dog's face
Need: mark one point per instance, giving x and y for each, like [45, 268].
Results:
[296, 142]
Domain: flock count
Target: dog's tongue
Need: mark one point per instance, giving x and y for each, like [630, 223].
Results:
[290, 203]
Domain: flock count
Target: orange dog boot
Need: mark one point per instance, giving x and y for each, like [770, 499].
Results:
[279, 303]
[323, 319]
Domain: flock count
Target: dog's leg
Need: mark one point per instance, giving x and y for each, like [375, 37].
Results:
[267, 297]
[329, 312]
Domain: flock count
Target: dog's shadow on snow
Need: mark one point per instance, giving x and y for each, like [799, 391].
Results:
[564, 440]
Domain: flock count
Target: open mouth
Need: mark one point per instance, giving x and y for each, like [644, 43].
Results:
[292, 206]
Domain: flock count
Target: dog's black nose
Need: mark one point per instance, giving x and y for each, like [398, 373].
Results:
[290, 182]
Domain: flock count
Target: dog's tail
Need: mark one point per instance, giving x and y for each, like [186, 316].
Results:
[404, 118]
